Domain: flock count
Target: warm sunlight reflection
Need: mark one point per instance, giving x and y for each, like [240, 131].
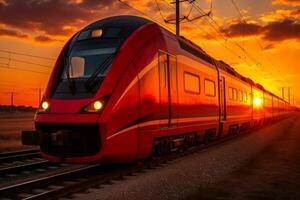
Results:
[257, 101]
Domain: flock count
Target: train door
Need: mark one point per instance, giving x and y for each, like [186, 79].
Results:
[168, 90]
[222, 109]
[222, 99]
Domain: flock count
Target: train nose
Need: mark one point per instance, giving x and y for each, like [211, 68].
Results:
[69, 140]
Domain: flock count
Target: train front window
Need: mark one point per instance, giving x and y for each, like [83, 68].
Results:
[84, 63]
[85, 66]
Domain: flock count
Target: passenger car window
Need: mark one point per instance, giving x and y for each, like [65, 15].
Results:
[230, 91]
[245, 97]
[235, 95]
[191, 83]
[209, 88]
[241, 96]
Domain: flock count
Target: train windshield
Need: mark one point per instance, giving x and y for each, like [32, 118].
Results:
[86, 63]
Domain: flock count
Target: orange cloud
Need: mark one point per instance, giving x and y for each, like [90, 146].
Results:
[52, 17]
[286, 2]
[45, 38]
[281, 14]
[275, 31]
[12, 33]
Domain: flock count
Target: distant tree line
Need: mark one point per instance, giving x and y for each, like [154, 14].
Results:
[17, 108]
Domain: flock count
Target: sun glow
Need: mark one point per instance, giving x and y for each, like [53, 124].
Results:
[257, 101]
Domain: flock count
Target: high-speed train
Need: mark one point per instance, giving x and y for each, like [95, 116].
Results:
[124, 88]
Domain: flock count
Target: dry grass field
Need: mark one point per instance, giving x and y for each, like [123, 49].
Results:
[11, 125]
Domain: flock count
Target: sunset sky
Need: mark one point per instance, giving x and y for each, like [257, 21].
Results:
[259, 38]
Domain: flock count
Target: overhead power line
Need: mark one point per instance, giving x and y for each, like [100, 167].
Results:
[257, 41]
[24, 54]
[23, 61]
[24, 70]
[143, 13]
[218, 30]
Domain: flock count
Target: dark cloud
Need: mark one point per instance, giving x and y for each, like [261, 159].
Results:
[274, 31]
[44, 38]
[269, 47]
[243, 29]
[277, 31]
[53, 17]
[13, 33]
[295, 12]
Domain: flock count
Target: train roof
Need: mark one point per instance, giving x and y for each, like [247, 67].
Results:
[129, 24]
[199, 52]
[126, 23]
[123, 21]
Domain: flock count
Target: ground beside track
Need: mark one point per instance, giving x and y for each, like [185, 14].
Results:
[11, 125]
[261, 165]
[272, 174]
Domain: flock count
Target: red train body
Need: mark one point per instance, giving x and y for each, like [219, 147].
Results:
[157, 92]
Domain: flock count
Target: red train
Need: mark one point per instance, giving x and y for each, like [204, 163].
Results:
[124, 88]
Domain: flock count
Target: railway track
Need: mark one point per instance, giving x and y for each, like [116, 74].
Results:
[90, 176]
[16, 162]
[34, 189]
[17, 156]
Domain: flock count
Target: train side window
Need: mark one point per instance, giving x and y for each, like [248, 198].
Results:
[235, 94]
[230, 93]
[241, 97]
[245, 97]
[209, 88]
[191, 83]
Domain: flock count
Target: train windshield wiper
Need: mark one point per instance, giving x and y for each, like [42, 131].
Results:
[92, 80]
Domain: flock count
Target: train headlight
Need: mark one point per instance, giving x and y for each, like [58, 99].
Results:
[97, 105]
[94, 107]
[257, 101]
[44, 107]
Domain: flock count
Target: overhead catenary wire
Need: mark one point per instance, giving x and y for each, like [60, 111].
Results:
[143, 13]
[23, 61]
[25, 54]
[29, 86]
[257, 41]
[208, 34]
[24, 70]
[214, 38]
[226, 37]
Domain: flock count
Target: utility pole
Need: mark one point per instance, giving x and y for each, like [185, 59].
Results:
[289, 90]
[177, 18]
[293, 100]
[40, 93]
[12, 101]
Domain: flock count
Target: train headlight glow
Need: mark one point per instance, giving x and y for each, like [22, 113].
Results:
[94, 107]
[97, 105]
[257, 101]
[44, 106]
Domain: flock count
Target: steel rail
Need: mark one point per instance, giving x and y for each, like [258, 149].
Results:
[19, 157]
[22, 167]
[14, 153]
[13, 191]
